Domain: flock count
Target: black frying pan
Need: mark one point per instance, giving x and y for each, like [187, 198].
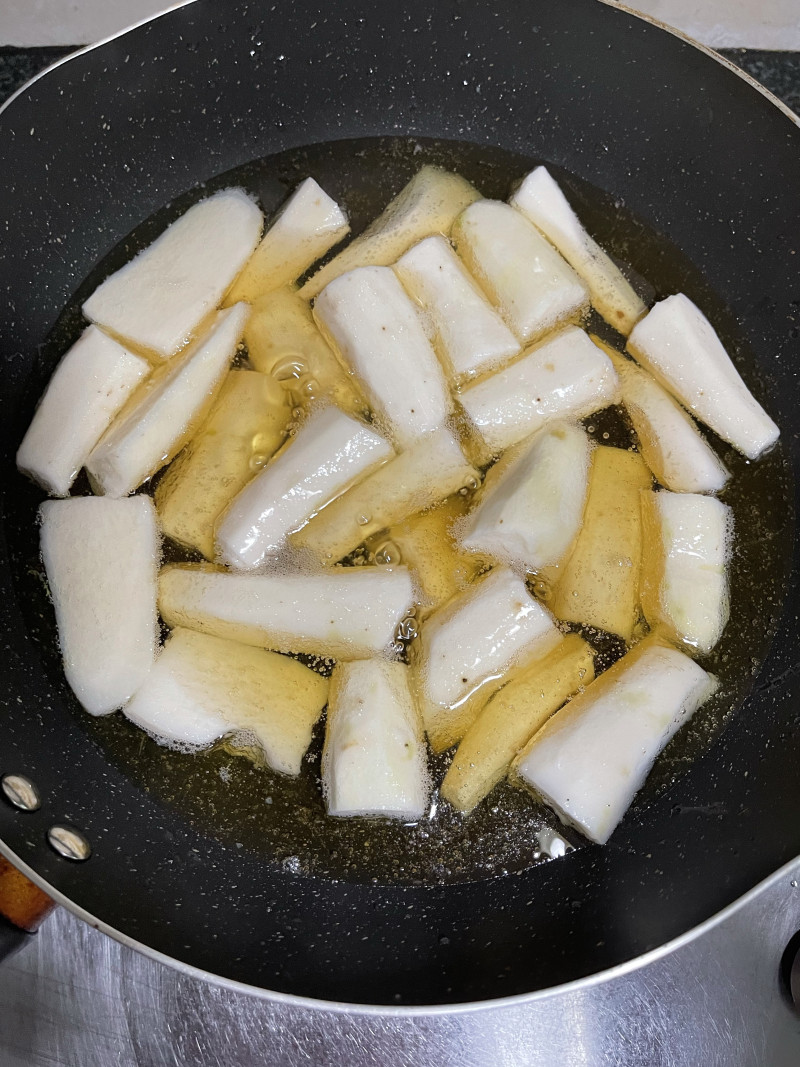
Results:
[687, 173]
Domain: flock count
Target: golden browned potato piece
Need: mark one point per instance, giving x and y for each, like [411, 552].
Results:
[599, 585]
[283, 340]
[426, 544]
[245, 427]
[512, 717]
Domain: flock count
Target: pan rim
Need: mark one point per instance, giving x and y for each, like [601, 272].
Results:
[411, 1011]
[707, 50]
[400, 1011]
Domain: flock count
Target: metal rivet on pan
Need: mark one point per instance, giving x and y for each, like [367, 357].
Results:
[22, 793]
[69, 843]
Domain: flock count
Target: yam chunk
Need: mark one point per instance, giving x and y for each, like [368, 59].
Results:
[342, 613]
[685, 556]
[428, 204]
[565, 377]
[414, 480]
[470, 335]
[244, 428]
[164, 414]
[327, 454]
[542, 202]
[374, 760]
[534, 288]
[88, 387]
[599, 583]
[679, 346]
[307, 226]
[468, 644]
[283, 340]
[378, 334]
[101, 557]
[531, 504]
[512, 717]
[203, 687]
[161, 297]
[591, 758]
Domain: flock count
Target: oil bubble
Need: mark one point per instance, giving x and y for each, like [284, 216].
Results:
[388, 554]
[289, 368]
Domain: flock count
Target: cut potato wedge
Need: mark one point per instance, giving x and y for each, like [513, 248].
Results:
[427, 205]
[101, 557]
[599, 584]
[467, 645]
[159, 299]
[566, 377]
[162, 416]
[429, 471]
[88, 387]
[590, 759]
[678, 345]
[245, 427]
[327, 454]
[685, 557]
[283, 340]
[535, 289]
[512, 717]
[426, 543]
[542, 202]
[346, 613]
[470, 336]
[202, 687]
[307, 226]
[374, 759]
[670, 442]
[531, 504]
[375, 327]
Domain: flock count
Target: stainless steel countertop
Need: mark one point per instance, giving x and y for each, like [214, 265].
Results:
[75, 998]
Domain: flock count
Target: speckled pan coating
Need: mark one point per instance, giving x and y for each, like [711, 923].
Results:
[105, 140]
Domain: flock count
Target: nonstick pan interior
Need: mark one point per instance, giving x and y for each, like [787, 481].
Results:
[189, 856]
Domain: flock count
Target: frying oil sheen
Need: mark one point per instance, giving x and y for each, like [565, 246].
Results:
[227, 790]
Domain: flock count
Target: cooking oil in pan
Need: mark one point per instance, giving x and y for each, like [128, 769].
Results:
[228, 792]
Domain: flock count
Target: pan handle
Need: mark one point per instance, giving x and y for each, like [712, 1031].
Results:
[23, 907]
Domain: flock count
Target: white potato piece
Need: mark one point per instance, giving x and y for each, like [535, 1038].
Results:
[428, 204]
[429, 471]
[346, 613]
[472, 640]
[685, 554]
[679, 346]
[470, 335]
[88, 387]
[566, 377]
[163, 415]
[246, 426]
[327, 453]
[589, 760]
[541, 201]
[670, 442]
[202, 687]
[307, 226]
[377, 331]
[159, 299]
[374, 759]
[524, 276]
[101, 557]
[531, 504]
